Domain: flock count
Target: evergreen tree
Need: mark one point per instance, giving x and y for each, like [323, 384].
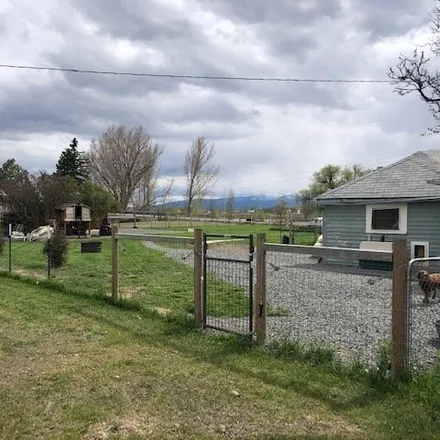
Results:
[73, 162]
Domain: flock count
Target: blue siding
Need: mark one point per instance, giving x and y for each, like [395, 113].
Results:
[424, 225]
[344, 226]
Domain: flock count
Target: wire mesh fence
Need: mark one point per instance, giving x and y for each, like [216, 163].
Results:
[84, 272]
[338, 305]
[157, 272]
[424, 312]
[24, 258]
[228, 283]
[344, 304]
[4, 255]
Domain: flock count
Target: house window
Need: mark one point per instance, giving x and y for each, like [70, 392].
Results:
[386, 219]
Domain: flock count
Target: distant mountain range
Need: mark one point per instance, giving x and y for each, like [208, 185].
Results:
[241, 203]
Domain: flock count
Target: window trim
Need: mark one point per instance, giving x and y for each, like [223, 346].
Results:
[403, 218]
[425, 244]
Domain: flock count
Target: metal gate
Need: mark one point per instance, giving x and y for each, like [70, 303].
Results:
[228, 282]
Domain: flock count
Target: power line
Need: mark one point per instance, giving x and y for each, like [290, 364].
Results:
[183, 76]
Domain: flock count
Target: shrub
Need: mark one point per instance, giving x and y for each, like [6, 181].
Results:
[2, 243]
[56, 249]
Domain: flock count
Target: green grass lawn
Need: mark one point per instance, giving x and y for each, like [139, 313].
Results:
[272, 235]
[147, 276]
[79, 368]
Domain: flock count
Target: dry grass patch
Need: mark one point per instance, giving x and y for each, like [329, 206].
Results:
[136, 425]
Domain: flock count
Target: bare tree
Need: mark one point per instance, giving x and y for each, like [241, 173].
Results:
[164, 193]
[414, 74]
[150, 192]
[200, 174]
[120, 158]
[146, 194]
[281, 211]
[229, 208]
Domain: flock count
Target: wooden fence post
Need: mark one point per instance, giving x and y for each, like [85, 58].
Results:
[115, 263]
[260, 291]
[399, 308]
[198, 275]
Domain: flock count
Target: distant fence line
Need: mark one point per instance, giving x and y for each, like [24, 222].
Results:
[242, 218]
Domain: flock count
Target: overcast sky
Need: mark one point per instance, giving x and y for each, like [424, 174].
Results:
[269, 137]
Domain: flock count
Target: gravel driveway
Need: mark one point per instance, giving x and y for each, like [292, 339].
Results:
[346, 308]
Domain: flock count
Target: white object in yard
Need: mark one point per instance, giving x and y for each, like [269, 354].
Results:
[318, 220]
[376, 246]
[318, 242]
[94, 232]
[15, 235]
[41, 233]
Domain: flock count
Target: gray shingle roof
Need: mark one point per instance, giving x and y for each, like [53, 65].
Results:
[408, 179]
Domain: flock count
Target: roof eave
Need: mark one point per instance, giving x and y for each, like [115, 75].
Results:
[361, 201]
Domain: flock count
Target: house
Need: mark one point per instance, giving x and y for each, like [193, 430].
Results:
[73, 218]
[401, 200]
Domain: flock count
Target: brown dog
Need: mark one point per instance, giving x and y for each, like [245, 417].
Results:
[428, 282]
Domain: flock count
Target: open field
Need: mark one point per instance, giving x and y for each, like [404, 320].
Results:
[79, 368]
[272, 235]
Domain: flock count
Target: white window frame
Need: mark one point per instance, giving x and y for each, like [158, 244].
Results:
[403, 218]
[425, 244]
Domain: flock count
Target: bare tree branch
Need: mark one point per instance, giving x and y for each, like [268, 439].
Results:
[229, 208]
[415, 74]
[200, 174]
[281, 211]
[120, 158]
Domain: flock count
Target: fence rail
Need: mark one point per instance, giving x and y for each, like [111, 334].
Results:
[299, 294]
[155, 238]
[331, 252]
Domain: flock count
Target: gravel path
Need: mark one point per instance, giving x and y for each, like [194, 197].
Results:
[346, 308]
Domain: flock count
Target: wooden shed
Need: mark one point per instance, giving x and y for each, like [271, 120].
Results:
[73, 219]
